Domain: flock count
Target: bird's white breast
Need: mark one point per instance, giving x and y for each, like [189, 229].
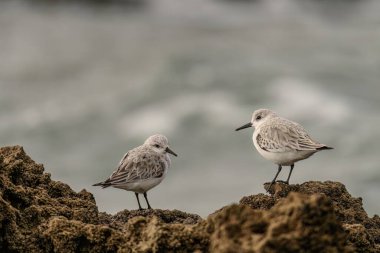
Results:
[282, 158]
[143, 185]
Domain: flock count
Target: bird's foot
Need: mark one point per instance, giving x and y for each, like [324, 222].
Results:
[270, 186]
[282, 181]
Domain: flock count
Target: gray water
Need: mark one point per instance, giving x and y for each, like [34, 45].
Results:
[80, 86]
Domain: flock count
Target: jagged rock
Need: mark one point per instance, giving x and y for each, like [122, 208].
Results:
[294, 224]
[363, 231]
[166, 216]
[38, 214]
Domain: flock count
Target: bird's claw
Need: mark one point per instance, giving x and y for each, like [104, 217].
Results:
[282, 181]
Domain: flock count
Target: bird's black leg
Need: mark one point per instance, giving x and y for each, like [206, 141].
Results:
[138, 201]
[146, 198]
[290, 173]
[274, 179]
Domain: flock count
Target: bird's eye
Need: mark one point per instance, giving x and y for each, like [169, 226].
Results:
[258, 117]
[157, 146]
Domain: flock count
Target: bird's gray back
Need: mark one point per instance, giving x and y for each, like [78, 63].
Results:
[282, 135]
[139, 164]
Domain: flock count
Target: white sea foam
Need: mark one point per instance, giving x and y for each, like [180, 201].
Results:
[168, 115]
[297, 98]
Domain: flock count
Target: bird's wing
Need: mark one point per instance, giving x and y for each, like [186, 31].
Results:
[136, 166]
[288, 136]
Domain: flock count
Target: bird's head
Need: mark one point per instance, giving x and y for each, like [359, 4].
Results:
[258, 117]
[159, 143]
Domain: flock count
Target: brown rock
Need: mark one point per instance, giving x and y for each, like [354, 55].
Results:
[363, 231]
[295, 224]
[38, 214]
[259, 201]
[152, 235]
[165, 216]
[41, 215]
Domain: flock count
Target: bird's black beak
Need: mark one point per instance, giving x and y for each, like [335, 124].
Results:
[245, 126]
[170, 151]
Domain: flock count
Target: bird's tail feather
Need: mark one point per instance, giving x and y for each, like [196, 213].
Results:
[325, 147]
[102, 184]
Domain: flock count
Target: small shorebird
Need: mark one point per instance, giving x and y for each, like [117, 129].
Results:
[280, 140]
[142, 168]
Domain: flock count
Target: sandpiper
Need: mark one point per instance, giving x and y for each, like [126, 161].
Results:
[142, 168]
[280, 140]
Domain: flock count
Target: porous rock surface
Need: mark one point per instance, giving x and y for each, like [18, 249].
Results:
[38, 214]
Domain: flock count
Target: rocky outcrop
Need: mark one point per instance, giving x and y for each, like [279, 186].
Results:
[38, 214]
[297, 223]
[362, 232]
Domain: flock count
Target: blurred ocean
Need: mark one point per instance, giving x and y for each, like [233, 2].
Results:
[81, 85]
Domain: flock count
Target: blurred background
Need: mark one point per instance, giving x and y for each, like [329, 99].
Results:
[83, 82]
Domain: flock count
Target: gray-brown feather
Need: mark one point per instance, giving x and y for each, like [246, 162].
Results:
[138, 164]
[283, 135]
